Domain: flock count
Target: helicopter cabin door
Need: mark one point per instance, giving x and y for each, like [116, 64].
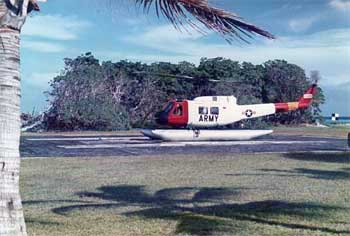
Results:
[179, 114]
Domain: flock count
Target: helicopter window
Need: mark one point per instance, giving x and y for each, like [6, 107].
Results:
[178, 110]
[203, 110]
[168, 107]
[214, 110]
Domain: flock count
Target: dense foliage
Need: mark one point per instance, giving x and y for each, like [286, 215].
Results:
[109, 96]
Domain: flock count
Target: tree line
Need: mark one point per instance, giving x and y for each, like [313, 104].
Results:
[94, 95]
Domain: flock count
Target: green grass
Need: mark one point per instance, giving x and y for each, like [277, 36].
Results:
[340, 131]
[280, 194]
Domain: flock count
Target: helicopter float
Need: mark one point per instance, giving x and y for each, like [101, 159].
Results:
[189, 116]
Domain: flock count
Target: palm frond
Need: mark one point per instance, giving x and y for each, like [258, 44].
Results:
[181, 13]
[33, 5]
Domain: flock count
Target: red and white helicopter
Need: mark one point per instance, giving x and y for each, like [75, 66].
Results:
[214, 111]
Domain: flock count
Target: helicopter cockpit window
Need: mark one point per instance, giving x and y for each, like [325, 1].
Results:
[203, 110]
[214, 110]
[178, 110]
[168, 107]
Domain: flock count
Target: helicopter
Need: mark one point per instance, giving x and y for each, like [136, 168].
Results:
[214, 111]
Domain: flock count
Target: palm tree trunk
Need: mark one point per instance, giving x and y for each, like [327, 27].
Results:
[12, 17]
[11, 212]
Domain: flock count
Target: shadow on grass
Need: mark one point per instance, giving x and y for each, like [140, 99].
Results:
[342, 173]
[38, 202]
[66, 209]
[200, 211]
[320, 157]
[40, 222]
[138, 195]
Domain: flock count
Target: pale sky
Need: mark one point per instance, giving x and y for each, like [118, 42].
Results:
[314, 34]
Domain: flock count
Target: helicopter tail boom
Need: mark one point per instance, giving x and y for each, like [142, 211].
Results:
[303, 103]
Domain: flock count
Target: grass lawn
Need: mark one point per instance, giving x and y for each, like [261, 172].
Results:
[223, 194]
[340, 131]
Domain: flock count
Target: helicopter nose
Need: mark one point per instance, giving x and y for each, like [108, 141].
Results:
[162, 118]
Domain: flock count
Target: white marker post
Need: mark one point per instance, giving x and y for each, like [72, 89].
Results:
[335, 117]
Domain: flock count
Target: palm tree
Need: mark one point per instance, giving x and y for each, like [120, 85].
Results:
[13, 14]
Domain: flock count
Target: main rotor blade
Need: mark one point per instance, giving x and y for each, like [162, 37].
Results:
[189, 77]
[165, 75]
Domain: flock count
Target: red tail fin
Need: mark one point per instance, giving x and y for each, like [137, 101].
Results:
[306, 99]
[303, 103]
